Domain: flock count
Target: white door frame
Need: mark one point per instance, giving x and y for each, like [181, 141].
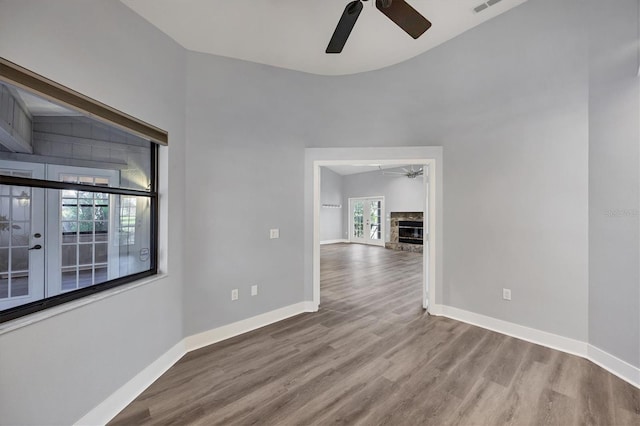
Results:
[367, 240]
[430, 156]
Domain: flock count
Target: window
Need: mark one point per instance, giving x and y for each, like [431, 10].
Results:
[78, 200]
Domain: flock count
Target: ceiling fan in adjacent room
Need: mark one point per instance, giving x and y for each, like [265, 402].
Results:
[399, 11]
[410, 172]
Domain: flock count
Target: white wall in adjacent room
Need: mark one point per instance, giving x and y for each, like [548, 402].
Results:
[331, 205]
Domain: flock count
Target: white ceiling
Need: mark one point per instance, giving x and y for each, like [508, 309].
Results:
[294, 34]
[38, 106]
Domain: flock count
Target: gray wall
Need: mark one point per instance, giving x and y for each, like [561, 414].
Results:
[331, 217]
[401, 194]
[55, 371]
[245, 171]
[614, 184]
[507, 100]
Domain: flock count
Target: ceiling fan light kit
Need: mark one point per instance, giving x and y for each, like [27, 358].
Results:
[398, 11]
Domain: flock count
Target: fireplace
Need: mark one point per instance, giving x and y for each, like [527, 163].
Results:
[410, 231]
[406, 231]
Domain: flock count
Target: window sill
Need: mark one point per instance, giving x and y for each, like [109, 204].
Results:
[27, 320]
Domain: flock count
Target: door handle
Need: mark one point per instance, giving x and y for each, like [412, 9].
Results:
[36, 247]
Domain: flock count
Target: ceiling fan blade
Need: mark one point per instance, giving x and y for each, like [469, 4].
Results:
[344, 27]
[404, 16]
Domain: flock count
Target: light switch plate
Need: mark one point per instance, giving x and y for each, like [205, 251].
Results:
[274, 233]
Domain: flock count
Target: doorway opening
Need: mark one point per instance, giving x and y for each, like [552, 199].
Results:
[430, 158]
[367, 223]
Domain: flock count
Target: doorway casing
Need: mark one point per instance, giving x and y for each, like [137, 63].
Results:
[430, 156]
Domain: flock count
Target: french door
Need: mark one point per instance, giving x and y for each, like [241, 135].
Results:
[77, 230]
[81, 230]
[21, 237]
[366, 220]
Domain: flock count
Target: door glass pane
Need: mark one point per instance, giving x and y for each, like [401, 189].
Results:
[15, 229]
[4, 261]
[374, 220]
[69, 210]
[128, 211]
[358, 219]
[19, 259]
[69, 279]
[20, 285]
[101, 253]
[85, 254]
[4, 287]
[20, 232]
[101, 275]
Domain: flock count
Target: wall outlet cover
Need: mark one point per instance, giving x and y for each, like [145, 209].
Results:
[506, 293]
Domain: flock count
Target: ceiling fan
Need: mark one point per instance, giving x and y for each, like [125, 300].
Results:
[410, 172]
[399, 11]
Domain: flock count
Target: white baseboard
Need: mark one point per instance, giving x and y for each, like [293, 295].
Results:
[616, 366]
[529, 334]
[215, 335]
[311, 307]
[115, 403]
[333, 242]
[435, 309]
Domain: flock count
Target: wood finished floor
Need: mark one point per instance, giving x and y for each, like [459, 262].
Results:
[371, 356]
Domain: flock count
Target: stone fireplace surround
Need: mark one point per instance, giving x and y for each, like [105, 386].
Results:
[394, 235]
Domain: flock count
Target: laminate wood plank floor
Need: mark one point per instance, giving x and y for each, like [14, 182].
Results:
[371, 356]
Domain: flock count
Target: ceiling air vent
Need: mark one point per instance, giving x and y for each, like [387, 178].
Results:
[480, 8]
[484, 6]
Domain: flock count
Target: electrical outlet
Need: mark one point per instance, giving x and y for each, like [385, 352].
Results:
[506, 293]
[274, 233]
[254, 290]
[234, 294]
